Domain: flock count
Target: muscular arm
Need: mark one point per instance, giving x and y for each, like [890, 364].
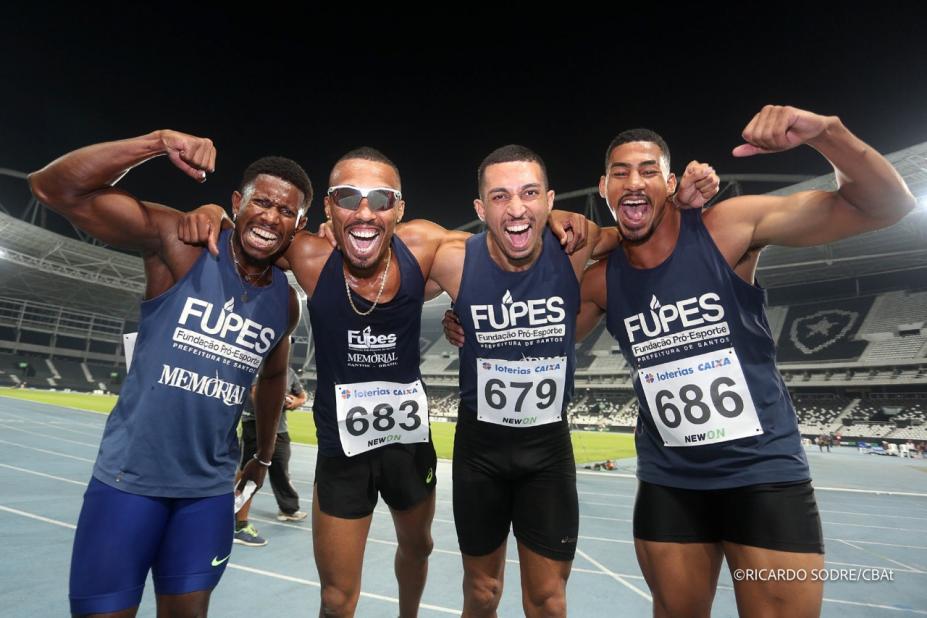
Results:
[270, 389]
[435, 249]
[593, 300]
[870, 194]
[79, 186]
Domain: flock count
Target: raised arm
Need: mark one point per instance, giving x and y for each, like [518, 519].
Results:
[870, 194]
[80, 187]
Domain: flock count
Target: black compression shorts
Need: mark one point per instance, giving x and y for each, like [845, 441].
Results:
[778, 516]
[522, 477]
[404, 474]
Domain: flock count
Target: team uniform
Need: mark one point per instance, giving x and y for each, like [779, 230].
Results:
[719, 451]
[161, 494]
[513, 459]
[370, 408]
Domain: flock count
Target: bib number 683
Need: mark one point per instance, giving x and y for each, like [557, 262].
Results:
[357, 423]
[695, 409]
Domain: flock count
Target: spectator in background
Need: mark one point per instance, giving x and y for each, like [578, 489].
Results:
[279, 471]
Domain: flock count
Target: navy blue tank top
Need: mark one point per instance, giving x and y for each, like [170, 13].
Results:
[518, 357]
[199, 345]
[349, 348]
[714, 410]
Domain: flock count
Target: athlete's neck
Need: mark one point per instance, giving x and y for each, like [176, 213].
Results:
[652, 251]
[508, 263]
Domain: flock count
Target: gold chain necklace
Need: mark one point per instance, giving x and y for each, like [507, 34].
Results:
[243, 278]
[347, 288]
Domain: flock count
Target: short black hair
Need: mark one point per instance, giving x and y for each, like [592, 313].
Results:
[509, 154]
[284, 169]
[638, 135]
[367, 153]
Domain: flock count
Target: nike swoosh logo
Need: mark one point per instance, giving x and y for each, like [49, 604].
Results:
[217, 562]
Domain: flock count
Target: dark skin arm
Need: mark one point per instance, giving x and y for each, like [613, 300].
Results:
[269, 393]
[80, 187]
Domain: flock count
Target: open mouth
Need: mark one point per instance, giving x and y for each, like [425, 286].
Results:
[633, 209]
[363, 240]
[518, 235]
[261, 239]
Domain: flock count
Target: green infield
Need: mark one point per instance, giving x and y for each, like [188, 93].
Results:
[78, 401]
[588, 446]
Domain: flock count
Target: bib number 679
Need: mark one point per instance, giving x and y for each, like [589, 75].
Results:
[727, 403]
[495, 393]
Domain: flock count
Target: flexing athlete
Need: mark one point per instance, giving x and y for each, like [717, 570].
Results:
[371, 414]
[517, 297]
[162, 489]
[721, 467]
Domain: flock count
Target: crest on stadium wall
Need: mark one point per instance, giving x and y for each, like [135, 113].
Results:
[815, 332]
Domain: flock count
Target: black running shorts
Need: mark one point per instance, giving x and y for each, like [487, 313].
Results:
[404, 474]
[778, 516]
[522, 477]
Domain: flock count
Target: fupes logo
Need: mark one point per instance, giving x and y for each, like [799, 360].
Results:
[511, 313]
[226, 324]
[365, 340]
[690, 312]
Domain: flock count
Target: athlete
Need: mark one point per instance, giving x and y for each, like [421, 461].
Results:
[722, 472]
[365, 302]
[161, 495]
[517, 297]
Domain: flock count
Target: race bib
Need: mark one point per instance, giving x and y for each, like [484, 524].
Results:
[523, 393]
[374, 414]
[701, 399]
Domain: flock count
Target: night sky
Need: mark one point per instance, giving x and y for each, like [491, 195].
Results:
[438, 91]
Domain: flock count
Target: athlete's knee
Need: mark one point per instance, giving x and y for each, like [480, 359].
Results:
[482, 592]
[549, 602]
[338, 601]
[679, 605]
[417, 548]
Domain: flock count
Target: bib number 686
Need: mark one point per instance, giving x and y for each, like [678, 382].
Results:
[727, 403]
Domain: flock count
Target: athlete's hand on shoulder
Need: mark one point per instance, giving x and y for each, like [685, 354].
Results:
[453, 331]
[325, 231]
[570, 228]
[780, 127]
[201, 227]
[699, 184]
[253, 471]
[194, 156]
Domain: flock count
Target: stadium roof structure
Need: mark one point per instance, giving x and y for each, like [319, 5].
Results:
[42, 266]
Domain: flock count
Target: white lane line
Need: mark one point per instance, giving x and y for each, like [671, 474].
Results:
[598, 493]
[290, 578]
[605, 518]
[872, 492]
[872, 553]
[857, 603]
[47, 436]
[877, 543]
[880, 515]
[50, 476]
[841, 523]
[315, 584]
[618, 578]
[47, 520]
[619, 475]
[42, 450]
